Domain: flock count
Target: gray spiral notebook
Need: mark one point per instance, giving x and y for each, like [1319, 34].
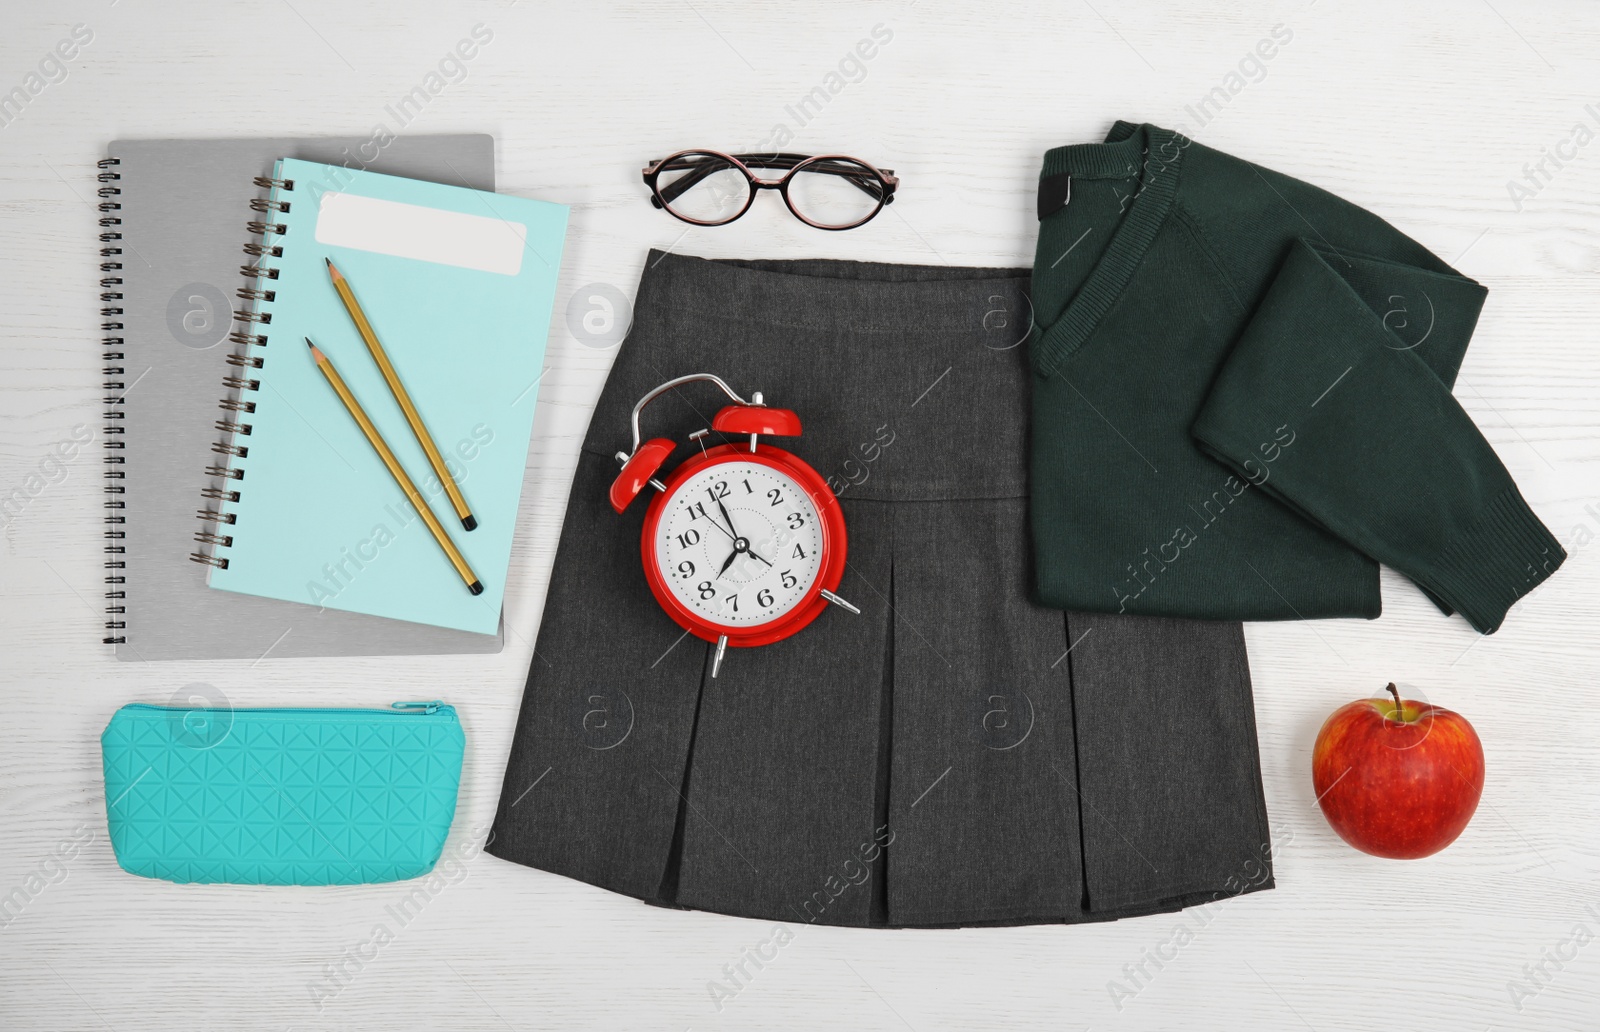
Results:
[172, 261]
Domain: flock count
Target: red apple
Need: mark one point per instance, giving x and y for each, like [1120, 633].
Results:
[1397, 779]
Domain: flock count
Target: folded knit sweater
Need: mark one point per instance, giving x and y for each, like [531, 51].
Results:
[1241, 400]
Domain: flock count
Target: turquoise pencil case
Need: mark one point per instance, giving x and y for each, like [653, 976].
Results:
[281, 796]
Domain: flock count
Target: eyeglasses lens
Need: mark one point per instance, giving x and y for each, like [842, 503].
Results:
[836, 192]
[703, 188]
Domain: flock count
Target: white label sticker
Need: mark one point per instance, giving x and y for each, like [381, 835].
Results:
[426, 234]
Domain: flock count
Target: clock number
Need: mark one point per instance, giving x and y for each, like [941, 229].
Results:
[706, 590]
[796, 521]
[799, 553]
[789, 579]
[747, 488]
[697, 510]
[688, 537]
[732, 602]
[686, 568]
[764, 598]
[718, 490]
[776, 496]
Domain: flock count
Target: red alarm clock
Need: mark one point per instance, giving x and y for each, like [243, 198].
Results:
[743, 545]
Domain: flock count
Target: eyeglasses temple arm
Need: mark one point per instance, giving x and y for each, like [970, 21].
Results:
[676, 188]
[870, 185]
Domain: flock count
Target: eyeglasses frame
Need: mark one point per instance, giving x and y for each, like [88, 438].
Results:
[881, 188]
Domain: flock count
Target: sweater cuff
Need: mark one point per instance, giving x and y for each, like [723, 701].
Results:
[1503, 555]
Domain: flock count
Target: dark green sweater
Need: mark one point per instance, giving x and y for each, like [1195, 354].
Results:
[1241, 400]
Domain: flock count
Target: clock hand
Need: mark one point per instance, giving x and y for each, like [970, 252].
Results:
[728, 518]
[735, 536]
[731, 535]
[731, 557]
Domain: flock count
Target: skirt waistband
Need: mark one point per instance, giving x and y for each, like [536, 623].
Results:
[910, 380]
[833, 295]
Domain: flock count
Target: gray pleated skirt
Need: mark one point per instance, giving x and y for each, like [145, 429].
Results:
[956, 754]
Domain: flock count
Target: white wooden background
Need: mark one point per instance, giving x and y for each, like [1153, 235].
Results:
[1421, 112]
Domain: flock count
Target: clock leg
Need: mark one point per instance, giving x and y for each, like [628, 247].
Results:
[716, 661]
[836, 600]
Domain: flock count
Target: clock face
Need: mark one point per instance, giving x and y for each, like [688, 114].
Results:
[739, 543]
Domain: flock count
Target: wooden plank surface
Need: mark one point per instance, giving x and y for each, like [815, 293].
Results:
[1422, 112]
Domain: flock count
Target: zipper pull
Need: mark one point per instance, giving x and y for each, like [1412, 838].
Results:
[425, 707]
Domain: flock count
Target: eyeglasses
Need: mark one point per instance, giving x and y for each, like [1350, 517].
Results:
[828, 191]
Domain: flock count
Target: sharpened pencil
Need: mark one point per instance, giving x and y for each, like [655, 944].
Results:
[395, 469]
[392, 378]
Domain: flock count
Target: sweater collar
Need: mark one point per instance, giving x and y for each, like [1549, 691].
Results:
[1148, 152]
[1119, 157]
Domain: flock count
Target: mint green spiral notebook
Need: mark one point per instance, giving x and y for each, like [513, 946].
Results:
[459, 286]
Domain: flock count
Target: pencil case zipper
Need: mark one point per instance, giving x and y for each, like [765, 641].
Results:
[396, 709]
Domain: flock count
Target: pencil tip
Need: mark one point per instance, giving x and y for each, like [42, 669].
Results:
[333, 270]
[470, 522]
[476, 587]
[316, 352]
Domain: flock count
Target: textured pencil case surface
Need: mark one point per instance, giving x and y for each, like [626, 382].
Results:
[281, 796]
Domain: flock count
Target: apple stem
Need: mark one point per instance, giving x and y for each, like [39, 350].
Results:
[1399, 707]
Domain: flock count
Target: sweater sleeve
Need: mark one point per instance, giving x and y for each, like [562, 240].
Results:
[1336, 400]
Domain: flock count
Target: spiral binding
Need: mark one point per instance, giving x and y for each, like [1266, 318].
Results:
[252, 322]
[116, 504]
